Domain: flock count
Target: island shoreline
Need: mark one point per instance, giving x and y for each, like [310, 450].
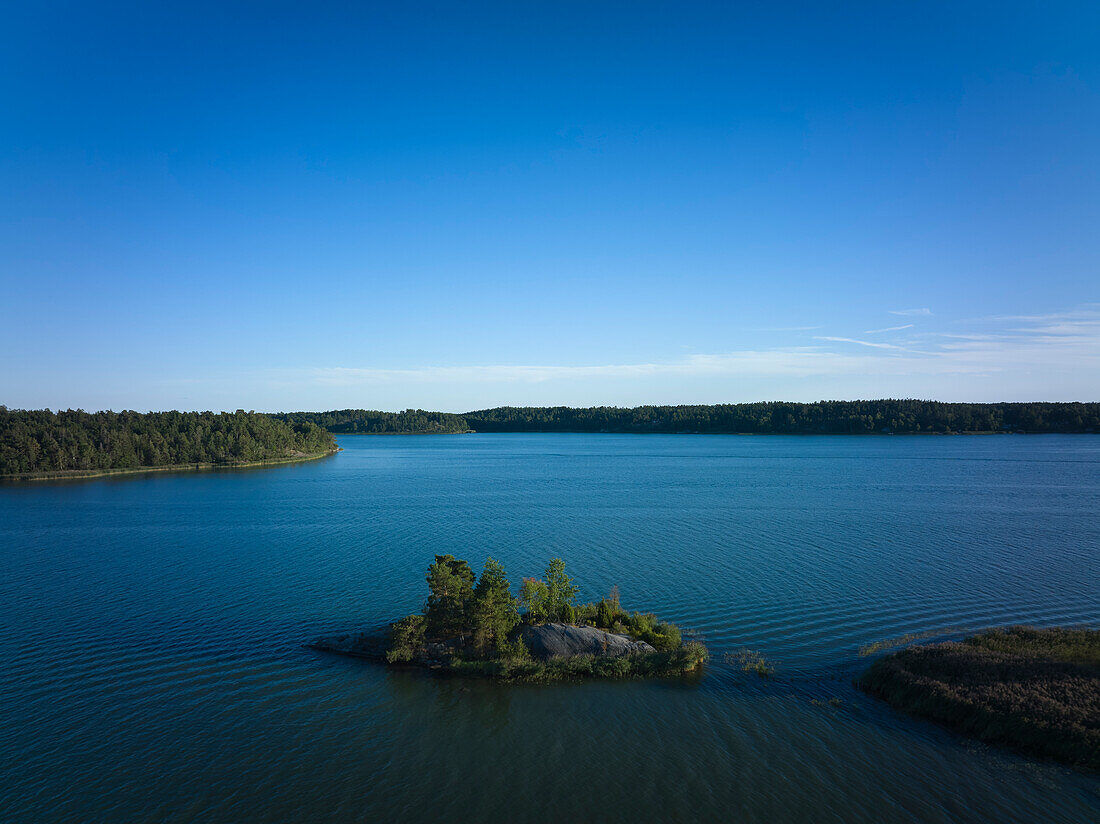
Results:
[87, 474]
[1035, 691]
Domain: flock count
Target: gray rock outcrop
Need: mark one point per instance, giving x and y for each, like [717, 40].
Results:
[546, 641]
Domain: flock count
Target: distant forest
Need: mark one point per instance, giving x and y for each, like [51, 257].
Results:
[41, 441]
[774, 418]
[367, 421]
[44, 441]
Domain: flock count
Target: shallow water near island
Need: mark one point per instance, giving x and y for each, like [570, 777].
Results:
[153, 626]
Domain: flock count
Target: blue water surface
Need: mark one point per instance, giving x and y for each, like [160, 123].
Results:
[153, 625]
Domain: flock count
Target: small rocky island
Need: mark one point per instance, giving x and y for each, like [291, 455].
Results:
[476, 627]
[1033, 690]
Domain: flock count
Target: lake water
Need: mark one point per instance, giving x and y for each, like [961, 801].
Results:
[152, 629]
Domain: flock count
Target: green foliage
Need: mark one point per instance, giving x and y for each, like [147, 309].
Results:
[549, 600]
[606, 613]
[514, 651]
[534, 596]
[406, 638]
[494, 614]
[79, 441]
[450, 596]
[559, 588]
[690, 656]
[664, 637]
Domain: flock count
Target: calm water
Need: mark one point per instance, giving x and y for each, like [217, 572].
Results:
[152, 630]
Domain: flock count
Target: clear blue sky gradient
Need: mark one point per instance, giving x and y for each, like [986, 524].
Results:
[452, 206]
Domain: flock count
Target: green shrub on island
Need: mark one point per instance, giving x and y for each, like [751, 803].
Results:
[406, 637]
[474, 626]
[608, 615]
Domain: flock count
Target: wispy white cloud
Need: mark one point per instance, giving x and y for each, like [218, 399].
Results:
[1021, 347]
[1034, 356]
[792, 361]
[887, 329]
[1087, 312]
[911, 312]
[871, 344]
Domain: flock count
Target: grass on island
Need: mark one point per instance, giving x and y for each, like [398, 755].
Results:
[876, 647]
[473, 629]
[1033, 690]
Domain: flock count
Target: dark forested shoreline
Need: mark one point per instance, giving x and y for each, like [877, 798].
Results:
[373, 422]
[888, 416]
[41, 442]
[34, 442]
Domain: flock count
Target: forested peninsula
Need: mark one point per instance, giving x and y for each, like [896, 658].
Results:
[41, 443]
[889, 416]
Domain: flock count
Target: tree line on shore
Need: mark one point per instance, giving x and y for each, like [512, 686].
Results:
[888, 416]
[373, 422]
[41, 441]
[33, 441]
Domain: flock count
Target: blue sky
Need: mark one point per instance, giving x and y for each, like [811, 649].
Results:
[453, 206]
